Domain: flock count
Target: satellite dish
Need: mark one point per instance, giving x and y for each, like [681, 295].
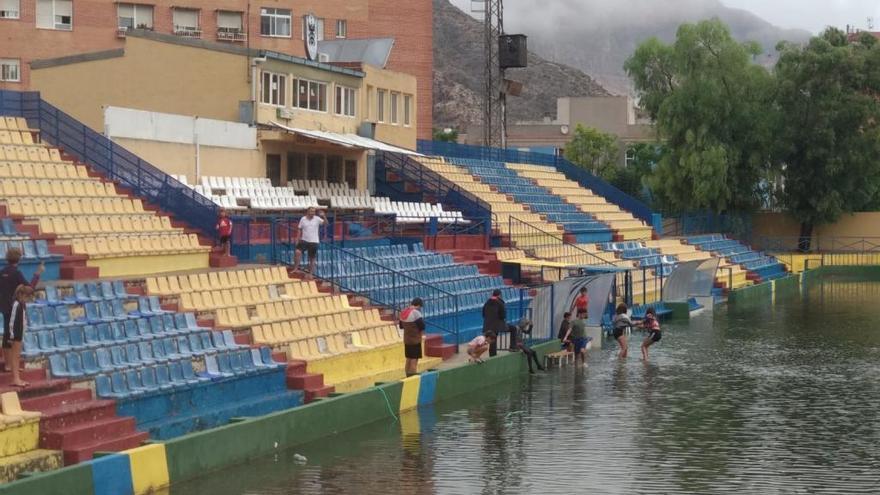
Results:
[311, 36]
[564, 129]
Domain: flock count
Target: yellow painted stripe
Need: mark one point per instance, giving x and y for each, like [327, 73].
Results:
[409, 396]
[773, 292]
[149, 468]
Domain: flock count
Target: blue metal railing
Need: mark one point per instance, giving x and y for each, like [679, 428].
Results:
[113, 161]
[431, 183]
[358, 267]
[584, 178]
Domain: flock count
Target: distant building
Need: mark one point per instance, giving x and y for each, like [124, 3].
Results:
[611, 114]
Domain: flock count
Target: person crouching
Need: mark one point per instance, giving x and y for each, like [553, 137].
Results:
[479, 346]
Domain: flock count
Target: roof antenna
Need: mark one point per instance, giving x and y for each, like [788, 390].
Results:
[870, 23]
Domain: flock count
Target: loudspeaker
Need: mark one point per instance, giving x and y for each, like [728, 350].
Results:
[513, 51]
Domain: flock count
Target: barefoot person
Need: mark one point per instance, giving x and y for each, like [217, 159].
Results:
[581, 303]
[621, 324]
[577, 336]
[653, 327]
[308, 238]
[413, 325]
[10, 278]
[224, 230]
[17, 326]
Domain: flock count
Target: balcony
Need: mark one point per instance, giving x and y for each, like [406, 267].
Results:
[120, 32]
[228, 34]
[187, 32]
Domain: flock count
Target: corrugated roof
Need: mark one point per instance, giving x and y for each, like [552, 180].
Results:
[368, 51]
[347, 140]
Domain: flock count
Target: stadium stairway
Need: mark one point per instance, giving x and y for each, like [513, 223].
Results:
[758, 266]
[624, 225]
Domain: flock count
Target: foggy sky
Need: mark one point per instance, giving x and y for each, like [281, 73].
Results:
[812, 15]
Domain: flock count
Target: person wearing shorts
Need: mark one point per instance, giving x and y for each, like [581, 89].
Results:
[413, 325]
[581, 302]
[478, 346]
[620, 324]
[577, 335]
[10, 278]
[13, 336]
[309, 238]
[652, 325]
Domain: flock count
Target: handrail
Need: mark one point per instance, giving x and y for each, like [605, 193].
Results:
[113, 161]
[471, 205]
[572, 171]
[428, 292]
[513, 220]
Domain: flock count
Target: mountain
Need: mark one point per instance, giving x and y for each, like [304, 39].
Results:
[569, 39]
[458, 74]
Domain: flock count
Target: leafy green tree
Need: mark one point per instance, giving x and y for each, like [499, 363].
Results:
[634, 178]
[710, 104]
[593, 150]
[446, 135]
[829, 135]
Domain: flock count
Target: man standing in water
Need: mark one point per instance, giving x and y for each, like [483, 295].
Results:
[577, 335]
[413, 325]
[309, 238]
[494, 318]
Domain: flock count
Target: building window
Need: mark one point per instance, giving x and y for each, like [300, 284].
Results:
[407, 110]
[131, 16]
[10, 9]
[229, 26]
[273, 169]
[273, 89]
[351, 173]
[9, 70]
[310, 95]
[341, 28]
[394, 98]
[380, 105]
[55, 14]
[319, 29]
[186, 22]
[275, 22]
[345, 101]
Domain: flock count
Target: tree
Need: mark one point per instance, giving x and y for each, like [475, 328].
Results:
[641, 160]
[710, 104]
[829, 138]
[593, 150]
[446, 135]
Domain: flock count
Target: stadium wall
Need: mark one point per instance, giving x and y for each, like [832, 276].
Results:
[151, 467]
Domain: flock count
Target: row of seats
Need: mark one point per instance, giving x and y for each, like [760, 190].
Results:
[292, 330]
[222, 279]
[317, 304]
[90, 362]
[30, 250]
[37, 207]
[36, 154]
[228, 298]
[407, 212]
[39, 170]
[70, 226]
[180, 375]
[55, 188]
[42, 343]
[765, 267]
[127, 245]
[14, 124]
[82, 292]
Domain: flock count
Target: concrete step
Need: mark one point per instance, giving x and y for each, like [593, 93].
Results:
[68, 415]
[35, 389]
[79, 272]
[85, 452]
[305, 381]
[28, 375]
[72, 396]
[88, 433]
[312, 394]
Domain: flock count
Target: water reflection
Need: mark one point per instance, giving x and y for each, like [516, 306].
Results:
[757, 399]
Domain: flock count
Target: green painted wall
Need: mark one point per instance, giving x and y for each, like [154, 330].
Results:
[73, 480]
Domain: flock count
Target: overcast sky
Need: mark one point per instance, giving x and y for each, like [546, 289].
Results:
[812, 15]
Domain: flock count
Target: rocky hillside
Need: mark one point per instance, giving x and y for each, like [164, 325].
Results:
[458, 72]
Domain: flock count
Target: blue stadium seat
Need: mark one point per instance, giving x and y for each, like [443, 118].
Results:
[103, 388]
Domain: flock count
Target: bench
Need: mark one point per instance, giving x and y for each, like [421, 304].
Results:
[558, 359]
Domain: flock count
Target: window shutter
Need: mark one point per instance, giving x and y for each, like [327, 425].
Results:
[144, 15]
[186, 18]
[45, 15]
[63, 7]
[229, 20]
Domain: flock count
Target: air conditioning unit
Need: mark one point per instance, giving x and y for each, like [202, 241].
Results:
[323, 58]
[284, 113]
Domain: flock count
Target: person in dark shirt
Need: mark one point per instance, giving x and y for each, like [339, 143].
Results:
[518, 334]
[563, 328]
[17, 326]
[494, 318]
[413, 325]
[10, 278]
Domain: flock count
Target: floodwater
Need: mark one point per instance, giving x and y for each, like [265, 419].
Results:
[753, 399]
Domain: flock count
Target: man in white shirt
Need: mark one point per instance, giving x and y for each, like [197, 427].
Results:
[309, 238]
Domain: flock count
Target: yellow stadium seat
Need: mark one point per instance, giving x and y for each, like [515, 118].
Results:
[56, 155]
[33, 154]
[174, 285]
[187, 302]
[251, 277]
[12, 407]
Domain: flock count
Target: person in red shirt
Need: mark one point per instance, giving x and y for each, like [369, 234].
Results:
[224, 229]
[581, 302]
